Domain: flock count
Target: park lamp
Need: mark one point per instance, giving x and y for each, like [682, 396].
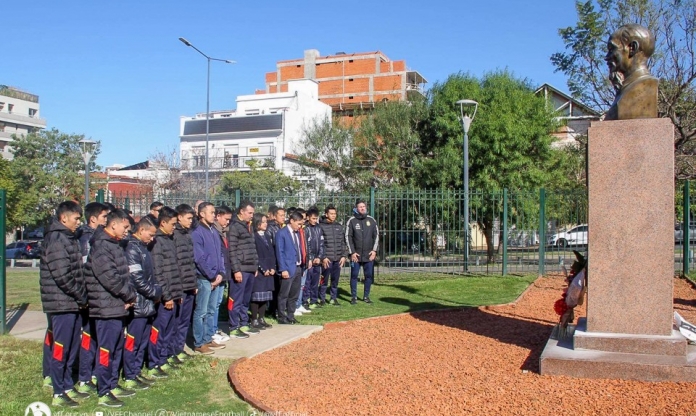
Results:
[88, 147]
[465, 109]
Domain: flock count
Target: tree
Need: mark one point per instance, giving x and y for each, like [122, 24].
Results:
[8, 183]
[674, 24]
[509, 141]
[258, 180]
[46, 168]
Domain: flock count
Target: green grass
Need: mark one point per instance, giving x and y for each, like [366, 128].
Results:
[200, 385]
[23, 289]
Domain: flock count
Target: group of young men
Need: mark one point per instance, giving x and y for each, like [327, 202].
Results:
[120, 295]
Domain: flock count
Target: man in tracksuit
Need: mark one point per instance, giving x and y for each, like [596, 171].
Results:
[63, 297]
[110, 296]
[314, 237]
[149, 293]
[163, 252]
[362, 239]
[334, 254]
[245, 264]
[187, 274]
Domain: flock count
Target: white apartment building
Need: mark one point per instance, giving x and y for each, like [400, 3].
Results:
[265, 128]
[19, 115]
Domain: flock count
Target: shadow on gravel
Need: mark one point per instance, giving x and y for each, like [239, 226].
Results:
[522, 333]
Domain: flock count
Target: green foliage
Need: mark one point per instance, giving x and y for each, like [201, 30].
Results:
[8, 183]
[258, 179]
[46, 168]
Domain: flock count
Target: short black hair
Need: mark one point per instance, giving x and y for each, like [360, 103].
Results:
[296, 215]
[244, 204]
[110, 206]
[116, 215]
[360, 201]
[256, 221]
[145, 222]
[156, 204]
[301, 211]
[329, 208]
[94, 209]
[203, 205]
[184, 209]
[313, 211]
[166, 214]
[66, 207]
[272, 209]
[223, 210]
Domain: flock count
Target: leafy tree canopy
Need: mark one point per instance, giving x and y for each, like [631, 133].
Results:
[258, 180]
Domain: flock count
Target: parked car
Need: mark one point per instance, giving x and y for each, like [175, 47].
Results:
[23, 250]
[576, 236]
[679, 232]
[522, 238]
[35, 233]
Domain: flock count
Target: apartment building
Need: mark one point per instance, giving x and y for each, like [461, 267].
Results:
[19, 115]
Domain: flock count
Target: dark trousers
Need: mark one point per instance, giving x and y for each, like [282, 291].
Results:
[66, 338]
[334, 272]
[88, 347]
[110, 346]
[183, 322]
[312, 284]
[239, 299]
[368, 270]
[161, 335]
[47, 348]
[135, 345]
[288, 294]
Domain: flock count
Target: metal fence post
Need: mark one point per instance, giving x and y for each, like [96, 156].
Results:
[237, 197]
[126, 204]
[542, 231]
[372, 201]
[100, 196]
[3, 274]
[505, 230]
[686, 225]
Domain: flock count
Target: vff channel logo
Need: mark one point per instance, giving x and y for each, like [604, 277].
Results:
[37, 409]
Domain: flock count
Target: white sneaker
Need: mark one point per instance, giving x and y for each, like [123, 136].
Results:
[220, 337]
[298, 312]
[303, 309]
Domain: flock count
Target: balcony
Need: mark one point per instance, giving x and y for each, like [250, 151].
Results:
[224, 164]
[22, 119]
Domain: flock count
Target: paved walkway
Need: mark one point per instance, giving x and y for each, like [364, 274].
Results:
[32, 325]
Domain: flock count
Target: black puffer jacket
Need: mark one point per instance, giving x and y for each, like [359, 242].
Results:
[334, 240]
[61, 278]
[184, 258]
[271, 229]
[108, 281]
[142, 276]
[163, 252]
[243, 256]
[362, 235]
[85, 235]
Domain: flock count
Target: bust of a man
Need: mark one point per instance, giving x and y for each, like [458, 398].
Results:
[628, 50]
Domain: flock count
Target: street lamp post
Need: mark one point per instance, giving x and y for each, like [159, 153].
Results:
[87, 153]
[465, 108]
[207, 106]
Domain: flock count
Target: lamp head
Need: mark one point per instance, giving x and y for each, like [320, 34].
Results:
[185, 42]
[465, 107]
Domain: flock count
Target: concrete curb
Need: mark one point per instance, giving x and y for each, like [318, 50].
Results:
[236, 386]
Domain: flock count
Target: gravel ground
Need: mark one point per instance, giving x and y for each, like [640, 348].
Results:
[482, 361]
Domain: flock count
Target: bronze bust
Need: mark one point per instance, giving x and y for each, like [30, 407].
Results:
[628, 50]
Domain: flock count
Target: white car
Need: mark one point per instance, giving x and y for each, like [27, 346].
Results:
[576, 236]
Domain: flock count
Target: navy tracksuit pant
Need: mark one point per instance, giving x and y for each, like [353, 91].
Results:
[334, 272]
[88, 347]
[135, 345]
[369, 271]
[110, 341]
[66, 336]
[161, 335]
[239, 299]
[183, 322]
[47, 348]
[312, 284]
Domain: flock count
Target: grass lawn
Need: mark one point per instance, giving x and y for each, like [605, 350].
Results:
[23, 289]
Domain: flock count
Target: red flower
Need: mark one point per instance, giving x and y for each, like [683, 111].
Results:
[560, 306]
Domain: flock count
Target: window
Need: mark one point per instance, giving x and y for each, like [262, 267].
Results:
[350, 79]
[10, 107]
[350, 97]
[350, 61]
[2, 105]
[32, 112]
[254, 112]
[11, 245]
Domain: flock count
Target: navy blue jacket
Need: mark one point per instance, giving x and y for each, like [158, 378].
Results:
[286, 251]
[207, 252]
[314, 236]
[142, 276]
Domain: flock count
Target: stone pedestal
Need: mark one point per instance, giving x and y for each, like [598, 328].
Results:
[628, 330]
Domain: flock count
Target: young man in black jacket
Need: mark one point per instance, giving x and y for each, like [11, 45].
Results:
[63, 296]
[334, 254]
[362, 239]
[315, 253]
[148, 294]
[187, 274]
[110, 295]
[223, 216]
[163, 252]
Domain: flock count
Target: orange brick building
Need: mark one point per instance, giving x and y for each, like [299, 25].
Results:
[349, 81]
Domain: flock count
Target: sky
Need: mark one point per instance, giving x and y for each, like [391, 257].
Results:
[116, 72]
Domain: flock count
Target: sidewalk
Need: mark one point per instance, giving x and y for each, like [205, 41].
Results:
[31, 325]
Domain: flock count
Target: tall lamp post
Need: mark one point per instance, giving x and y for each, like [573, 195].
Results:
[87, 153]
[207, 107]
[465, 107]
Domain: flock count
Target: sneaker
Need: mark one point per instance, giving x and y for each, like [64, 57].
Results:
[223, 336]
[94, 380]
[168, 368]
[313, 306]
[63, 400]
[204, 349]
[145, 380]
[220, 339]
[135, 384]
[157, 372]
[238, 333]
[367, 300]
[298, 312]
[257, 325]
[174, 360]
[335, 302]
[250, 330]
[47, 382]
[303, 309]
[76, 395]
[86, 387]
[109, 400]
[183, 356]
[265, 324]
[215, 346]
[354, 301]
[120, 392]
[321, 303]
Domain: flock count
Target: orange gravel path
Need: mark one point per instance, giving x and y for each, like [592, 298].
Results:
[482, 361]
